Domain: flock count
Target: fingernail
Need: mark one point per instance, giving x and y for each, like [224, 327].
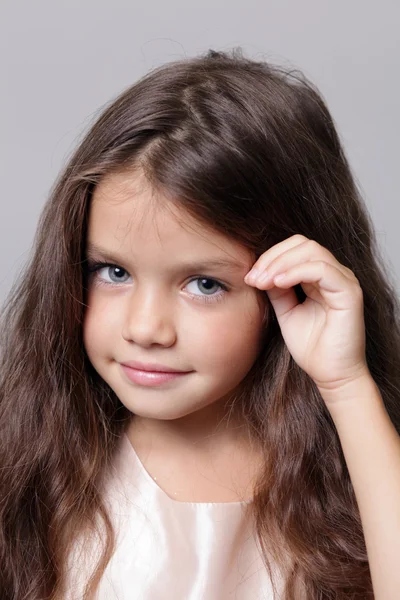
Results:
[252, 275]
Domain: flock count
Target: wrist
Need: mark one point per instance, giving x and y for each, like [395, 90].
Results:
[361, 393]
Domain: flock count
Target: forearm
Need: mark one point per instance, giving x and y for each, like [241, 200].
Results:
[371, 447]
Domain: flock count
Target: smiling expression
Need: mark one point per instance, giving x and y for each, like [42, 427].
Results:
[171, 292]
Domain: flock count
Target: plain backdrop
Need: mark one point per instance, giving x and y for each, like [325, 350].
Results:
[63, 61]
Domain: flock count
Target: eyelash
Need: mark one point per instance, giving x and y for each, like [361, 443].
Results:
[93, 268]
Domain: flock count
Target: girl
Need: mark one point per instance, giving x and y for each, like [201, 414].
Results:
[266, 462]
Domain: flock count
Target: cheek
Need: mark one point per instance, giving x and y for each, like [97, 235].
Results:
[98, 327]
[90, 334]
[227, 340]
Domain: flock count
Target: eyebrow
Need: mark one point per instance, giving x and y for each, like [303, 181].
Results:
[94, 251]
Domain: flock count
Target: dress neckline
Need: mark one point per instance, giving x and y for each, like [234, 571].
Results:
[132, 453]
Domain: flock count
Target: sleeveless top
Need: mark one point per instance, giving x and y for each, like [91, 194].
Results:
[172, 550]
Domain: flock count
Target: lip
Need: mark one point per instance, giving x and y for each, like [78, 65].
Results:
[154, 368]
[151, 378]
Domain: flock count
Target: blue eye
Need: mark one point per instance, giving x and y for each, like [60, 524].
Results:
[95, 268]
[209, 297]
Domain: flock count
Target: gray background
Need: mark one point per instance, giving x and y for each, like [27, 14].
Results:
[62, 61]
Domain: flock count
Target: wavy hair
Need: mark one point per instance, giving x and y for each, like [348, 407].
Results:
[251, 149]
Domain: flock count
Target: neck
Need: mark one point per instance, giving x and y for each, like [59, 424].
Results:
[199, 433]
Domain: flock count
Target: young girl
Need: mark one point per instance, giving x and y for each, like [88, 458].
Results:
[173, 429]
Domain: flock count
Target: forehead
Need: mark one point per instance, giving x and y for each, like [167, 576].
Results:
[126, 213]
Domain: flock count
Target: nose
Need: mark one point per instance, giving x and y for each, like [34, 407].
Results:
[149, 318]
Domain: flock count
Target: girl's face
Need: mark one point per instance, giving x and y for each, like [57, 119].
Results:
[151, 306]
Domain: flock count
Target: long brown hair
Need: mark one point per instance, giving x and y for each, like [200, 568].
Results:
[251, 149]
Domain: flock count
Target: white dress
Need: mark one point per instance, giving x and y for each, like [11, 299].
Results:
[172, 550]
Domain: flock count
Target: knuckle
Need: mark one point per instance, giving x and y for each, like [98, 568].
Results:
[314, 245]
[300, 237]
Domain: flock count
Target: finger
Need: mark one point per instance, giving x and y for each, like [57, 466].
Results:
[336, 289]
[267, 257]
[301, 253]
